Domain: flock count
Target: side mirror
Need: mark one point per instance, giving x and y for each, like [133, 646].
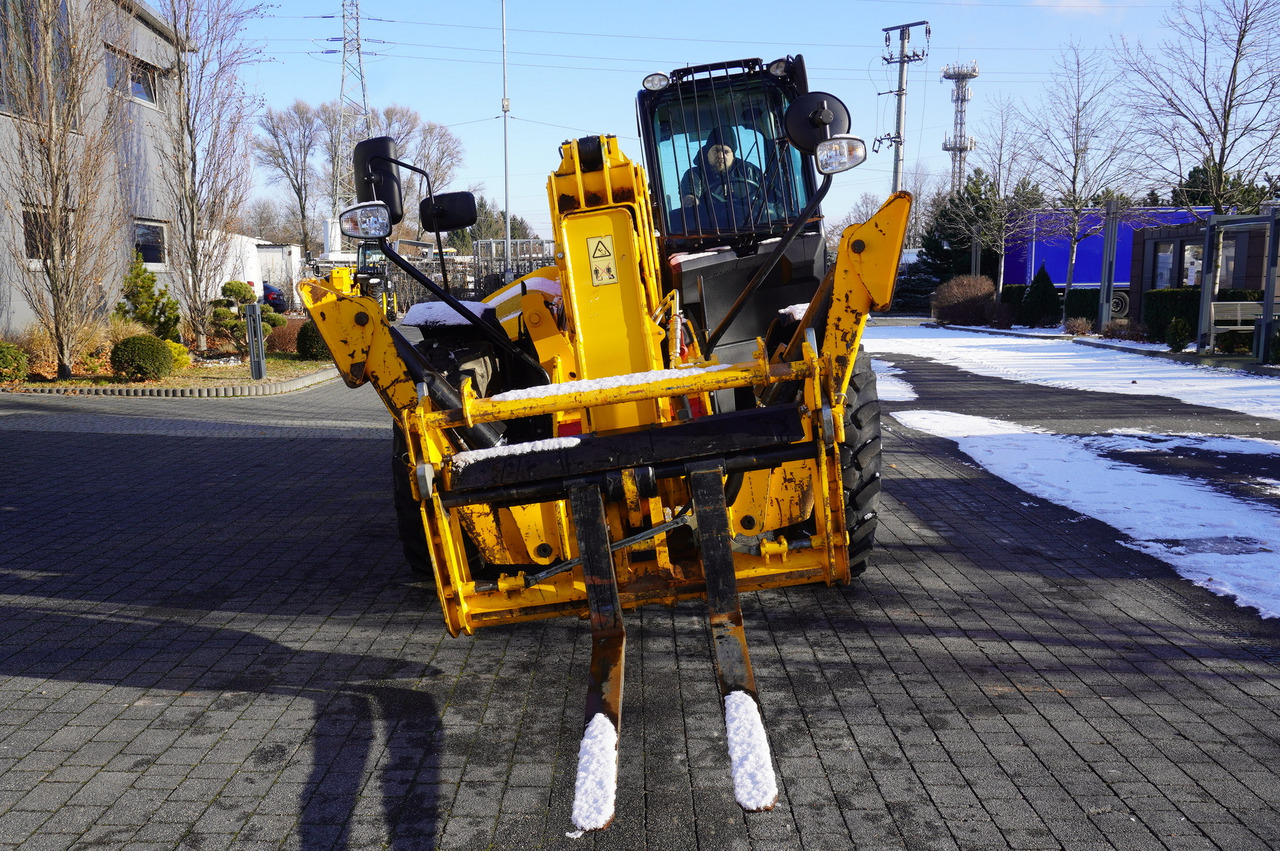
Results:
[451, 211]
[377, 178]
[813, 118]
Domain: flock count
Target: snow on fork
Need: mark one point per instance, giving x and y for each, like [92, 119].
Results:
[754, 785]
[596, 788]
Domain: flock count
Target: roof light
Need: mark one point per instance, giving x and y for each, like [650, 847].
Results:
[656, 82]
[778, 67]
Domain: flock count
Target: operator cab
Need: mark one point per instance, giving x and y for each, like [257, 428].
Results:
[709, 196]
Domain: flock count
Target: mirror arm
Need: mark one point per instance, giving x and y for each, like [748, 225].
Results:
[758, 278]
[498, 338]
[444, 272]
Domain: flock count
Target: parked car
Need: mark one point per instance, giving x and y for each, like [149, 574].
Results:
[275, 297]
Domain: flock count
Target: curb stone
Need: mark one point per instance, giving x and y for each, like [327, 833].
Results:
[263, 389]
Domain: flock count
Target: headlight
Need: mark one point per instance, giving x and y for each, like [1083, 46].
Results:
[840, 153]
[370, 220]
[656, 82]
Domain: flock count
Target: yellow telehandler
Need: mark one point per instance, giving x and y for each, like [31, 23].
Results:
[677, 409]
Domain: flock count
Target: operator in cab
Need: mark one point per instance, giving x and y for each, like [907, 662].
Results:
[720, 188]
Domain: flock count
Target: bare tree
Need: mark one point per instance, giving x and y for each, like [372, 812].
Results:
[61, 167]
[286, 146]
[1003, 157]
[271, 219]
[430, 146]
[1208, 97]
[335, 152]
[207, 143]
[1078, 143]
[928, 192]
[863, 209]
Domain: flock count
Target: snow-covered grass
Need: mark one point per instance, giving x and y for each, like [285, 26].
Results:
[1227, 544]
[1061, 363]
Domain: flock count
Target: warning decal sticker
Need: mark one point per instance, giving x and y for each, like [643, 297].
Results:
[604, 268]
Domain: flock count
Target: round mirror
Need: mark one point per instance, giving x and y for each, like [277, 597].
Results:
[813, 118]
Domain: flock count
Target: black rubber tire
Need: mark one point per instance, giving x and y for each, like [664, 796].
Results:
[413, 537]
[860, 462]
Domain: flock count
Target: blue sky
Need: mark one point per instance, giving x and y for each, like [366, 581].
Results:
[574, 68]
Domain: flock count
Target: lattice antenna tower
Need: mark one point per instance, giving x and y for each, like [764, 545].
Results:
[353, 103]
[959, 143]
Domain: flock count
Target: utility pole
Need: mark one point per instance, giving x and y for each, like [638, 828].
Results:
[903, 59]
[506, 165]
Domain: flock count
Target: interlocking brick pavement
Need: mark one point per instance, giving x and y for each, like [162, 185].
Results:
[210, 641]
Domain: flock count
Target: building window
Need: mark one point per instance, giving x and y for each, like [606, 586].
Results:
[35, 232]
[1164, 265]
[130, 75]
[38, 233]
[148, 240]
[1192, 258]
[26, 62]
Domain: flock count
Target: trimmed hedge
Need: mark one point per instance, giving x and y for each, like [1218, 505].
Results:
[1239, 295]
[1083, 302]
[1160, 307]
[142, 358]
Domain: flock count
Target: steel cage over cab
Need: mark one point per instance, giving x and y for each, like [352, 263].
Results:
[740, 103]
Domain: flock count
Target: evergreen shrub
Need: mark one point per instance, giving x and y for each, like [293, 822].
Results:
[181, 354]
[1178, 334]
[1040, 304]
[13, 363]
[142, 358]
[1227, 294]
[311, 345]
[141, 302]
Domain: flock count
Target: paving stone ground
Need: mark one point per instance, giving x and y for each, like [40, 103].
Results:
[210, 641]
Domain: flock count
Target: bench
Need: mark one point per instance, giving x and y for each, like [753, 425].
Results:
[1232, 316]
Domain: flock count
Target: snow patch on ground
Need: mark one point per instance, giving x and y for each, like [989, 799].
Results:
[597, 783]
[754, 784]
[888, 386]
[1224, 544]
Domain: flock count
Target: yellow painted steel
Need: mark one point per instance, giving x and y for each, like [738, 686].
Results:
[609, 279]
[864, 275]
[358, 336]
[613, 344]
